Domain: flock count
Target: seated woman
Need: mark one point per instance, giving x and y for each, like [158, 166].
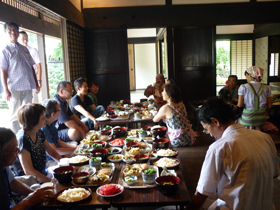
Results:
[32, 142]
[82, 106]
[8, 154]
[93, 88]
[175, 115]
[254, 97]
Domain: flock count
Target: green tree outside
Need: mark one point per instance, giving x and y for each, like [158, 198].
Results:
[222, 63]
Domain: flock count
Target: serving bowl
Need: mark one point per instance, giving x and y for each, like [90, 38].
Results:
[106, 132]
[122, 131]
[148, 140]
[160, 164]
[75, 201]
[98, 145]
[163, 184]
[130, 160]
[63, 174]
[130, 180]
[162, 155]
[132, 144]
[113, 116]
[146, 128]
[141, 158]
[96, 162]
[114, 150]
[159, 131]
[160, 143]
[113, 158]
[103, 153]
[80, 177]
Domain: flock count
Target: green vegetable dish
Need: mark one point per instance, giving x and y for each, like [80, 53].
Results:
[108, 127]
[137, 113]
[96, 145]
[129, 179]
[128, 140]
[95, 159]
[142, 131]
[150, 171]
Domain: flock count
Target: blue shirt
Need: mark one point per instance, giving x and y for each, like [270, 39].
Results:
[65, 113]
[51, 135]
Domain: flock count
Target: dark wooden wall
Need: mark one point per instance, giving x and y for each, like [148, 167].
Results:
[107, 63]
[195, 70]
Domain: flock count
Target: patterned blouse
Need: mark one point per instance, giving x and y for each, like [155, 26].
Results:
[178, 123]
[36, 150]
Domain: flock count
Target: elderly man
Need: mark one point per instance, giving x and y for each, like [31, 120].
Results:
[232, 87]
[156, 91]
[17, 74]
[239, 166]
[70, 127]
[23, 39]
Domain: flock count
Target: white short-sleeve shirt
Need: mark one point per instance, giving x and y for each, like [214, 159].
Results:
[35, 55]
[240, 166]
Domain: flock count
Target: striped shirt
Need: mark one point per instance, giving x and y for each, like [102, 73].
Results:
[18, 62]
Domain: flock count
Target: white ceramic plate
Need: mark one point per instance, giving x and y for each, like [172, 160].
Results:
[122, 189]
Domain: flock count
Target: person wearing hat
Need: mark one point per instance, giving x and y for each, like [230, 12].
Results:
[254, 97]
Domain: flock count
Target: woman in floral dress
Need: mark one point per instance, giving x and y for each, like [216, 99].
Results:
[175, 115]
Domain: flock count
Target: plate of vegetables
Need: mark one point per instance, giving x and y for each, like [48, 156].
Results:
[109, 190]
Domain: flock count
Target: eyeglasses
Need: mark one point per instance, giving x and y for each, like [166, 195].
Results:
[205, 130]
[70, 91]
[16, 150]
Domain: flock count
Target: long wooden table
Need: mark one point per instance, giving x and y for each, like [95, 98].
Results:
[129, 198]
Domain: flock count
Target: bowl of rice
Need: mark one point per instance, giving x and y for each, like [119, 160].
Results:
[73, 194]
[170, 163]
[78, 160]
[167, 153]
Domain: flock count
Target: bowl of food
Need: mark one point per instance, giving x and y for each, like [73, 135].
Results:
[167, 152]
[103, 153]
[110, 111]
[117, 143]
[127, 140]
[115, 158]
[106, 132]
[80, 177]
[161, 131]
[79, 160]
[132, 144]
[122, 131]
[168, 184]
[142, 134]
[130, 180]
[63, 174]
[160, 143]
[112, 116]
[169, 163]
[95, 162]
[148, 140]
[114, 150]
[73, 194]
[152, 156]
[97, 145]
[145, 150]
[146, 128]
[141, 158]
[129, 159]
[149, 175]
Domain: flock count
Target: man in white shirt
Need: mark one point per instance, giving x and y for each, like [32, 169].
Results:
[239, 166]
[23, 39]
